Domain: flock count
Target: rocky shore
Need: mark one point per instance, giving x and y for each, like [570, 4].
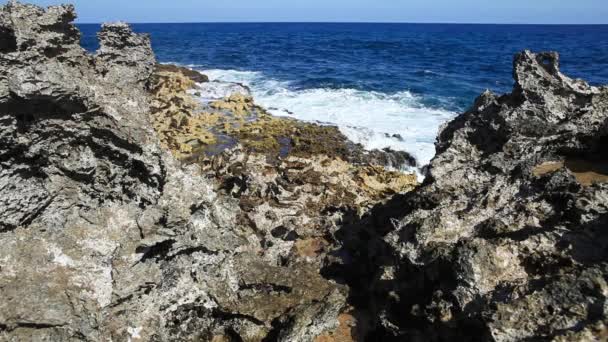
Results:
[142, 202]
[507, 238]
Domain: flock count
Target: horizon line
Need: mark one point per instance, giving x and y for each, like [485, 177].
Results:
[340, 22]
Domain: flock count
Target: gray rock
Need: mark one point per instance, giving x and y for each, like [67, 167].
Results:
[505, 240]
[123, 55]
[104, 235]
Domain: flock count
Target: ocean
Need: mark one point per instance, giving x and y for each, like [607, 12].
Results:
[383, 85]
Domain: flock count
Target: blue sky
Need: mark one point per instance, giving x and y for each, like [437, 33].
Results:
[460, 11]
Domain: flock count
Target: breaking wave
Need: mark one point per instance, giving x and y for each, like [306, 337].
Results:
[374, 119]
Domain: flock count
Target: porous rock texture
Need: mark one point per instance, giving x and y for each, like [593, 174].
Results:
[104, 235]
[115, 225]
[507, 238]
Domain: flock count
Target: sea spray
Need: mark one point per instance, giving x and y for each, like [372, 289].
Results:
[374, 119]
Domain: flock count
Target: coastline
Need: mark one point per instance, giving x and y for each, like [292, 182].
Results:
[145, 202]
[204, 122]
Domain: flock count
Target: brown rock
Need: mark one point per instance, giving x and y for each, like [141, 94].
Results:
[193, 75]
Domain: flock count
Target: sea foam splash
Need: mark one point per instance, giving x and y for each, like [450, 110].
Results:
[375, 120]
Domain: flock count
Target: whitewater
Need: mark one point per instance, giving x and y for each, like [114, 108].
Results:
[373, 119]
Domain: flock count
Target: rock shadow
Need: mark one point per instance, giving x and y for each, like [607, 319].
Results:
[389, 295]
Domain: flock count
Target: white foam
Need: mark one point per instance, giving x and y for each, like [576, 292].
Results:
[235, 76]
[366, 117]
[210, 91]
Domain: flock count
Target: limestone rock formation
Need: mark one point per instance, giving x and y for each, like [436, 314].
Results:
[131, 211]
[107, 235]
[506, 240]
[195, 123]
[193, 75]
[104, 235]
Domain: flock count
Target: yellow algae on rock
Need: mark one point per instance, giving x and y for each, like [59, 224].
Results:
[288, 166]
[189, 130]
[283, 136]
[378, 182]
[238, 104]
[176, 116]
[586, 172]
[185, 127]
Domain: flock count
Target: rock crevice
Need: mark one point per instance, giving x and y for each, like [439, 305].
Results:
[106, 235]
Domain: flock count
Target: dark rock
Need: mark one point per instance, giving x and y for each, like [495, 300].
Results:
[504, 240]
[104, 235]
[191, 74]
[391, 158]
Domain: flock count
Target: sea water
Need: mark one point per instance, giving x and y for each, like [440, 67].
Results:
[383, 85]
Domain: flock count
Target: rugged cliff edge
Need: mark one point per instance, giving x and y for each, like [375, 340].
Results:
[131, 211]
[114, 227]
[507, 239]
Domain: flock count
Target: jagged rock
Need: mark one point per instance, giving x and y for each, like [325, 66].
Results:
[506, 238]
[296, 195]
[105, 235]
[63, 122]
[124, 56]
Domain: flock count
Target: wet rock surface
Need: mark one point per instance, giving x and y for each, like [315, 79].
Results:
[193, 75]
[196, 124]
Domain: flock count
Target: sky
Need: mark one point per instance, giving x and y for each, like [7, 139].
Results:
[415, 11]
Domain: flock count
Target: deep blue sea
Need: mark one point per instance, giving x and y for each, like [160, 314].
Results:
[372, 80]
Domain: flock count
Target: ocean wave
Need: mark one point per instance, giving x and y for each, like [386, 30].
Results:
[374, 119]
[235, 76]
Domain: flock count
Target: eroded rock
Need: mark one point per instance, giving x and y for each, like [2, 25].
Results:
[505, 240]
[105, 235]
[193, 75]
[131, 211]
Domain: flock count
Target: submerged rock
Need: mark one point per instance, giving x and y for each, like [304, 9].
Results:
[216, 90]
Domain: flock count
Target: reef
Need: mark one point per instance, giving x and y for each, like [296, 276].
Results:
[144, 202]
[271, 160]
[195, 129]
